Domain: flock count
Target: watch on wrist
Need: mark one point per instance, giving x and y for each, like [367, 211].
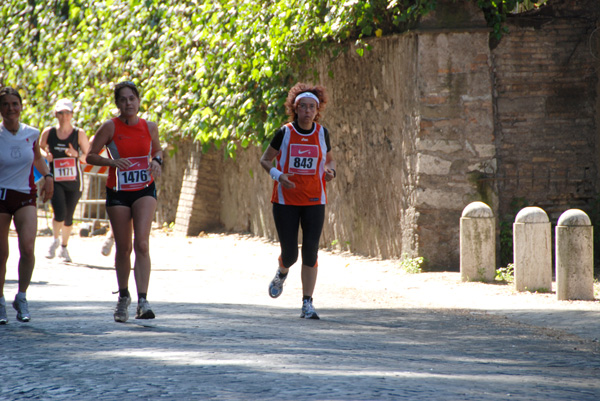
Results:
[158, 159]
[334, 173]
[49, 175]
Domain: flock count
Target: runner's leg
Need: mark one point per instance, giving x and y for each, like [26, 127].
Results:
[120, 222]
[71, 200]
[59, 206]
[26, 226]
[5, 220]
[287, 222]
[143, 213]
[311, 220]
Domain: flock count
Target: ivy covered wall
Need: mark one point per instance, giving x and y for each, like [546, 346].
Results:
[213, 71]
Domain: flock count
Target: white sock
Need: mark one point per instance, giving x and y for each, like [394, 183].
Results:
[21, 295]
[2, 301]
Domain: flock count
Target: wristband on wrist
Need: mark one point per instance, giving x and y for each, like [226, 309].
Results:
[275, 174]
[334, 173]
[49, 175]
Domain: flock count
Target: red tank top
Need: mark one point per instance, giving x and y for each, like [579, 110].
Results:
[304, 156]
[135, 143]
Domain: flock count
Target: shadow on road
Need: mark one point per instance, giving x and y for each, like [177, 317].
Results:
[232, 351]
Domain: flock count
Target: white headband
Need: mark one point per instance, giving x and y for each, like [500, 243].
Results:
[308, 95]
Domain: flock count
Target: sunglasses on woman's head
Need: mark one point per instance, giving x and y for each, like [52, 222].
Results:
[123, 84]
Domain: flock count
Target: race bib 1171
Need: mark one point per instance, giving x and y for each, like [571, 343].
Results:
[65, 169]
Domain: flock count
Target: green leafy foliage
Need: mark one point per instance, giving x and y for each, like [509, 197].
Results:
[215, 71]
[506, 274]
[496, 12]
[411, 265]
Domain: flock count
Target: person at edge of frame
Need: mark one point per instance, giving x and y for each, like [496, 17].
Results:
[19, 153]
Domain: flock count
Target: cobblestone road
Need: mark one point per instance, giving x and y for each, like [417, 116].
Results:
[217, 335]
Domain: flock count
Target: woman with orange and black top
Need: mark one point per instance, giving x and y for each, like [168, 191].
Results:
[304, 165]
[135, 159]
[61, 147]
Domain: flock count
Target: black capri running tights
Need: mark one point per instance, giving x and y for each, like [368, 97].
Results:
[288, 218]
[64, 203]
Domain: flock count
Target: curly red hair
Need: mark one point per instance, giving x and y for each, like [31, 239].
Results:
[318, 91]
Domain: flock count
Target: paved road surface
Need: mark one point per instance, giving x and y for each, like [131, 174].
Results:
[383, 334]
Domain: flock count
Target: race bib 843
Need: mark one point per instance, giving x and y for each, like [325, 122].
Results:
[303, 159]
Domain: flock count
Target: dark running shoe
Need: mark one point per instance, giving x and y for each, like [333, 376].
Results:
[143, 310]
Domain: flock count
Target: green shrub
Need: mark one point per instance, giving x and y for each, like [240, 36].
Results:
[411, 265]
[506, 274]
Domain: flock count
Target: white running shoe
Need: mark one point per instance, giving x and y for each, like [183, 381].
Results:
[308, 310]
[107, 246]
[143, 310]
[64, 254]
[121, 311]
[276, 286]
[53, 248]
[22, 308]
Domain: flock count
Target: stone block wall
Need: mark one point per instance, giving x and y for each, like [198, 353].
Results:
[411, 130]
[373, 121]
[246, 195]
[427, 122]
[455, 143]
[411, 124]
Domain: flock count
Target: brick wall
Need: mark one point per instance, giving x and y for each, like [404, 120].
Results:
[176, 157]
[199, 202]
[545, 109]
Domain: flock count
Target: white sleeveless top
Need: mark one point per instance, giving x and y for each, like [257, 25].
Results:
[16, 158]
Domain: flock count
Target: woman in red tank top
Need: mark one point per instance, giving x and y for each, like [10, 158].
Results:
[303, 167]
[135, 159]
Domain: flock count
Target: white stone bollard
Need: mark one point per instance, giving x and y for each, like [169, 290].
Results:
[574, 256]
[532, 248]
[477, 243]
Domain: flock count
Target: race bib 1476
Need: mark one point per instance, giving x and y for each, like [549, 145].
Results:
[134, 177]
